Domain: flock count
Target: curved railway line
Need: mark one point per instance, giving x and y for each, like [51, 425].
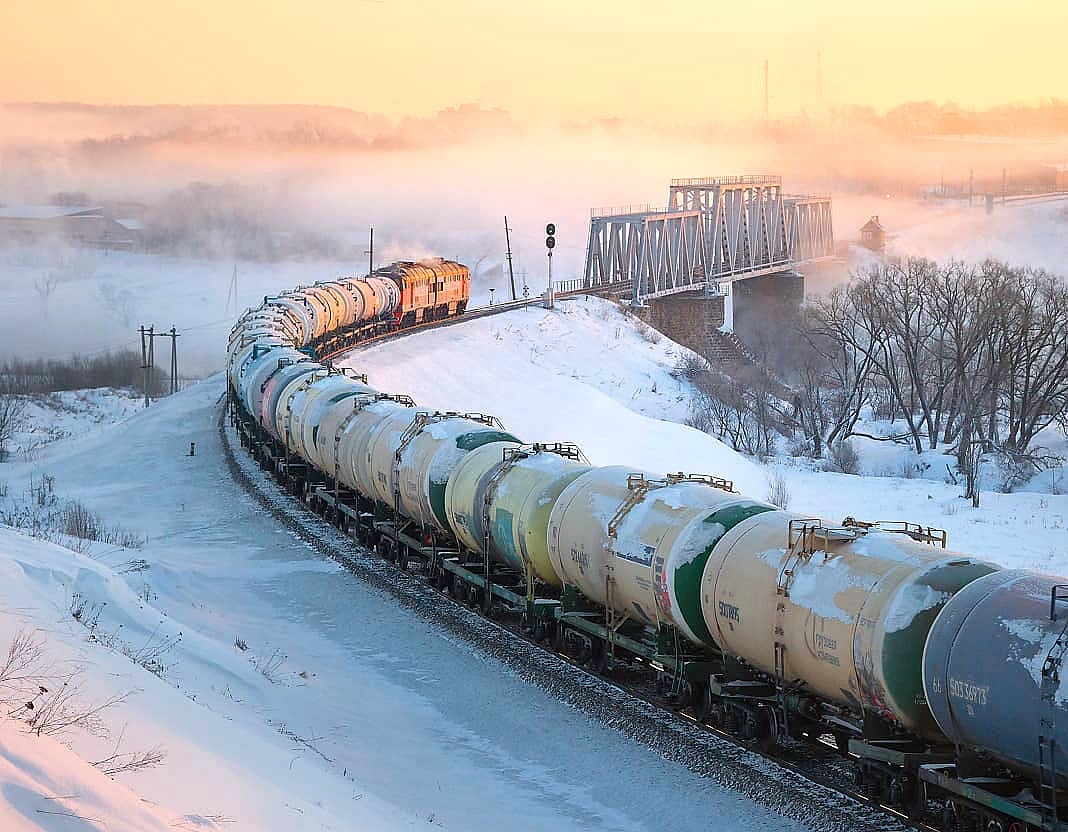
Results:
[806, 783]
[813, 788]
[865, 658]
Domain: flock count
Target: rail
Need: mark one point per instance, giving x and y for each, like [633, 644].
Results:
[717, 181]
[624, 210]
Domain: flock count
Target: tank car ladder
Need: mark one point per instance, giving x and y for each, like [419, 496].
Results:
[638, 487]
[1047, 743]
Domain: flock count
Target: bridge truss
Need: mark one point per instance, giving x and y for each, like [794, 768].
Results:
[713, 231]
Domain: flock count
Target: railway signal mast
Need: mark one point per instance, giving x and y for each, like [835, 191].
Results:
[550, 244]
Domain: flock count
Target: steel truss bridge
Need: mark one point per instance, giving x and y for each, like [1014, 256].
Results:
[713, 231]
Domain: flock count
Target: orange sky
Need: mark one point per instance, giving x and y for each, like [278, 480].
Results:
[658, 60]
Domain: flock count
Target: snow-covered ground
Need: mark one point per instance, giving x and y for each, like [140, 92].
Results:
[343, 712]
[49, 417]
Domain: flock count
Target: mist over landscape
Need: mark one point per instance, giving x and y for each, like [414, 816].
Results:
[288, 194]
[607, 416]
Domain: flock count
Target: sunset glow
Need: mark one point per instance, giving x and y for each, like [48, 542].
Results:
[681, 62]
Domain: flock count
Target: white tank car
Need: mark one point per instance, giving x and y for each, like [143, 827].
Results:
[252, 388]
[426, 456]
[369, 443]
[291, 403]
[320, 397]
[637, 529]
[275, 390]
[387, 294]
[845, 612]
[301, 311]
[335, 421]
[515, 488]
[341, 304]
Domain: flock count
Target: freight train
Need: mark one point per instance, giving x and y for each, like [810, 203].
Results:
[938, 674]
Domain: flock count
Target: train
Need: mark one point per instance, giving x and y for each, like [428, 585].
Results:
[937, 674]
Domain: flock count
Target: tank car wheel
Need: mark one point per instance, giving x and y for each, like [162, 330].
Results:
[487, 604]
[537, 630]
[473, 595]
[663, 685]
[389, 550]
[603, 662]
[994, 825]
[441, 579]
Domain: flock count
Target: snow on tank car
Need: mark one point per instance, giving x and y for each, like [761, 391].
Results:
[427, 453]
[639, 529]
[844, 612]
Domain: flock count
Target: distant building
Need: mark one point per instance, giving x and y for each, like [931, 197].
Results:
[873, 235]
[83, 225]
[1060, 174]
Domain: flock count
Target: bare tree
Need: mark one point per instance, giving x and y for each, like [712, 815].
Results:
[12, 418]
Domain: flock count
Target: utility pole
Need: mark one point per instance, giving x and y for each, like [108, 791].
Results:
[147, 356]
[173, 335]
[232, 292]
[508, 244]
[370, 252]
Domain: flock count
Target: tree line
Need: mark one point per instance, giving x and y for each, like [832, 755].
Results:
[972, 358]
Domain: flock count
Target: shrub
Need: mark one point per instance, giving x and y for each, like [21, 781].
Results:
[844, 458]
[778, 490]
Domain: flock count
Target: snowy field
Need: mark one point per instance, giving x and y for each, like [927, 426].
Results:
[341, 712]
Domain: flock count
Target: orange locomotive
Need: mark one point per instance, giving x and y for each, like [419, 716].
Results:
[429, 290]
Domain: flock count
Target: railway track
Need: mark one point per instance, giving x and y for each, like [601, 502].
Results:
[806, 783]
[470, 315]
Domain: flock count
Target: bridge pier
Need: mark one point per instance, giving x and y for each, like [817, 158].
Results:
[692, 319]
[763, 306]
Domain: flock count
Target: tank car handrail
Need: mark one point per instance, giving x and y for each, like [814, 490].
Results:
[704, 479]
[918, 532]
[1058, 592]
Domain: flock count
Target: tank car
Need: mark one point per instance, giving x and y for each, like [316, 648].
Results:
[501, 495]
[612, 533]
[992, 672]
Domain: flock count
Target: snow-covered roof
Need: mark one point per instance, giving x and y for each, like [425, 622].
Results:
[46, 212]
[131, 224]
